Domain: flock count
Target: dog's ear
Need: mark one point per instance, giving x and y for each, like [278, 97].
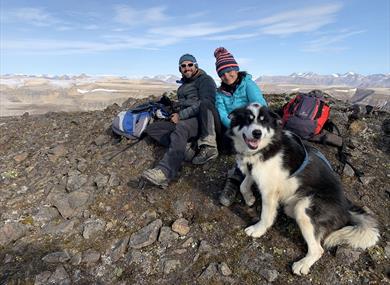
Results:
[277, 118]
[232, 115]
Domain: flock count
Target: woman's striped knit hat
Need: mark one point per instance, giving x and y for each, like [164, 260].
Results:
[225, 61]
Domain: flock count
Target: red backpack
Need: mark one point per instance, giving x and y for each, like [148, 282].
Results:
[306, 114]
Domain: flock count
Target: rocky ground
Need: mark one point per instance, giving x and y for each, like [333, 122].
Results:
[72, 212]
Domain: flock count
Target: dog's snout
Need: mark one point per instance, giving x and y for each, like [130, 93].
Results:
[256, 134]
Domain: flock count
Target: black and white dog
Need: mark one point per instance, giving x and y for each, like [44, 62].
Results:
[300, 178]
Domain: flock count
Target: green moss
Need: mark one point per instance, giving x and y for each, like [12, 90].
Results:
[28, 221]
[377, 253]
[277, 251]
[11, 174]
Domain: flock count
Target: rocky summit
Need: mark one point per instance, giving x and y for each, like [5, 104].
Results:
[72, 210]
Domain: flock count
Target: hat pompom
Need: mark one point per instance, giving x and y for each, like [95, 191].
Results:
[219, 51]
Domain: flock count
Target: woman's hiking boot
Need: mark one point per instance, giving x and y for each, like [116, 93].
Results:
[229, 192]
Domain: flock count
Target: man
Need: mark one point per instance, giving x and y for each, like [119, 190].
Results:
[196, 118]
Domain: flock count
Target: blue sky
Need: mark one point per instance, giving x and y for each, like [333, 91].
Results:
[136, 38]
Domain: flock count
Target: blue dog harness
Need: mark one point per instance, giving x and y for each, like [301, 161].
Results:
[306, 159]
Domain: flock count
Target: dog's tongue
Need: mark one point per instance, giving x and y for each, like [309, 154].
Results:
[253, 143]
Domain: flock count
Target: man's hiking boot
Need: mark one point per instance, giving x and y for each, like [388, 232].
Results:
[155, 176]
[205, 154]
[229, 192]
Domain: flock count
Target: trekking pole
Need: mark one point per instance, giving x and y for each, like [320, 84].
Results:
[122, 150]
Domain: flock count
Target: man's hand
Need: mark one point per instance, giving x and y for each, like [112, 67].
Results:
[175, 118]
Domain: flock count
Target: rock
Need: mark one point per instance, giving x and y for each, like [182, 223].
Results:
[75, 180]
[181, 226]
[91, 227]
[269, 274]
[22, 190]
[171, 265]
[114, 180]
[56, 152]
[100, 180]
[254, 259]
[189, 242]
[167, 237]
[46, 214]
[60, 277]
[61, 202]
[82, 165]
[11, 232]
[42, 278]
[90, 256]
[20, 157]
[205, 247]
[62, 228]
[101, 140]
[142, 260]
[181, 207]
[118, 248]
[347, 255]
[78, 200]
[209, 272]
[348, 171]
[146, 236]
[387, 250]
[56, 257]
[148, 216]
[225, 270]
[7, 258]
[356, 128]
[76, 259]
[69, 205]
[366, 180]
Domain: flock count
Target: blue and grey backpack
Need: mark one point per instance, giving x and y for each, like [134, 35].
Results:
[132, 123]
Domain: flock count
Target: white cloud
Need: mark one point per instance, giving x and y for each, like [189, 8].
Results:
[68, 47]
[329, 42]
[299, 20]
[229, 37]
[33, 16]
[284, 23]
[129, 16]
[307, 19]
[91, 27]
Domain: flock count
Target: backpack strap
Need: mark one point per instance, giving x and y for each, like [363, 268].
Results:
[342, 155]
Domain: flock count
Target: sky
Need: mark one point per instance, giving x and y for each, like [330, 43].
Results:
[146, 38]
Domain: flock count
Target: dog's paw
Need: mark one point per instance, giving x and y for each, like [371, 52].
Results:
[301, 267]
[254, 231]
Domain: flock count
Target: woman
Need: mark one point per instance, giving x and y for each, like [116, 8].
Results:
[237, 90]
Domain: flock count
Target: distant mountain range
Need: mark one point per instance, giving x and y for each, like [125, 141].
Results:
[350, 79]
[169, 78]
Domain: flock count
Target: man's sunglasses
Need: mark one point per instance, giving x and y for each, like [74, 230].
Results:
[185, 65]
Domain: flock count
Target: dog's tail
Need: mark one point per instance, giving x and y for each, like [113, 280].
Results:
[363, 232]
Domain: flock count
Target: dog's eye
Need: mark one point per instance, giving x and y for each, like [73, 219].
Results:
[261, 118]
[251, 117]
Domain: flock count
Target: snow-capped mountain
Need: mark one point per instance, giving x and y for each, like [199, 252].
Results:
[168, 78]
[350, 79]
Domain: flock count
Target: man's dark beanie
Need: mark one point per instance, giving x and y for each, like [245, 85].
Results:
[187, 57]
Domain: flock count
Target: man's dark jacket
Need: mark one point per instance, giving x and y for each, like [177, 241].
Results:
[200, 87]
